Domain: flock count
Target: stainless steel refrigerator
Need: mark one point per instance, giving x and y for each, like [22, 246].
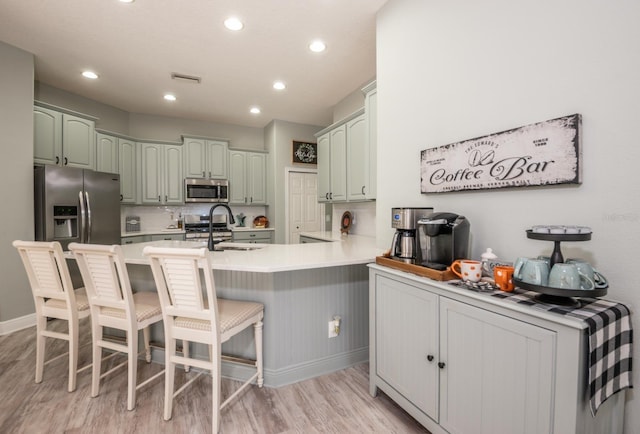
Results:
[78, 205]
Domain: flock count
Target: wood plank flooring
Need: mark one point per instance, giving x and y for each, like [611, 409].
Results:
[335, 403]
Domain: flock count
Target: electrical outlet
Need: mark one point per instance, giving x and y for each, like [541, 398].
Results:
[333, 330]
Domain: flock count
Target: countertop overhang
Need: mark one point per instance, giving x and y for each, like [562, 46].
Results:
[273, 258]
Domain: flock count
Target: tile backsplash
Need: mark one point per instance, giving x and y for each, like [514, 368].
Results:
[153, 218]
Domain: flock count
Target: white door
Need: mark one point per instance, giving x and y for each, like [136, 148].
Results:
[305, 213]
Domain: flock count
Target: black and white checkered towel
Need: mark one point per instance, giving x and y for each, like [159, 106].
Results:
[610, 340]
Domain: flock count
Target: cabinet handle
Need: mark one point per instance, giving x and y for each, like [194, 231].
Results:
[57, 160]
[430, 358]
[363, 190]
[251, 199]
[441, 365]
[209, 174]
[121, 198]
[165, 198]
[204, 174]
[326, 196]
[331, 196]
[66, 161]
[159, 200]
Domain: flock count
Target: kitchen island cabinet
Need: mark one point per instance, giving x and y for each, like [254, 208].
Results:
[461, 362]
[302, 287]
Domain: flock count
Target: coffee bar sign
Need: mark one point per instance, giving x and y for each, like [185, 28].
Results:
[544, 153]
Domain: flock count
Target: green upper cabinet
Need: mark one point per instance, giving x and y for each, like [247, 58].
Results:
[161, 174]
[106, 153]
[358, 158]
[332, 165]
[247, 177]
[63, 139]
[205, 158]
[127, 169]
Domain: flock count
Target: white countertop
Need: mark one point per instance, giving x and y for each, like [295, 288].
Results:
[275, 257]
[249, 228]
[328, 235]
[152, 232]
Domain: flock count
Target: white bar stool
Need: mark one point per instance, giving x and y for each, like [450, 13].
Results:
[195, 315]
[114, 305]
[54, 297]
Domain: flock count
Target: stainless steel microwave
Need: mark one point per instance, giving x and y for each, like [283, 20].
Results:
[206, 190]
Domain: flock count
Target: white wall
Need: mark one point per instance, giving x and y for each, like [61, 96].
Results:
[449, 71]
[16, 179]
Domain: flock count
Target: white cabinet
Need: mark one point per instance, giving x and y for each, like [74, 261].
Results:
[340, 167]
[257, 236]
[460, 362]
[205, 158]
[127, 167]
[368, 154]
[161, 174]
[63, 139]
[495, 372]
[247, 177]
[106, 153]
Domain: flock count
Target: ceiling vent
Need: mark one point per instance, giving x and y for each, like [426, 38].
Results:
[185, 78]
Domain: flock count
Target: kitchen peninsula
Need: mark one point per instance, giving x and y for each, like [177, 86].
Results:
[303, 286]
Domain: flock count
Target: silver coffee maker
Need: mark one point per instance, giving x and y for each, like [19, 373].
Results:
[444, 238]
[405, 245]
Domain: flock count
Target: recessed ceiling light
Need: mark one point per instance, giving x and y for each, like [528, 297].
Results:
[127, 1]
[255, 110]
[170, 97]
[233, 23]
[279, 85]
[317, 46]
[89, 74]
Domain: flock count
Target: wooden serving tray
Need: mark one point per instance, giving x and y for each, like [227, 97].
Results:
[416, 269]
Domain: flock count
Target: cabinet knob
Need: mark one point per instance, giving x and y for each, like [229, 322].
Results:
[430, 358]
[441, 365]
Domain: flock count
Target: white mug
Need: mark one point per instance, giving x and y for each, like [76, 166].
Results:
[598, 279]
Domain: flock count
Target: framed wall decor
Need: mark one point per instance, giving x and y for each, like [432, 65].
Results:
[544, 153]
[305, 153]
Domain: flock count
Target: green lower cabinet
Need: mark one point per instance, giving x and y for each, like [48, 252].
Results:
[257, 236]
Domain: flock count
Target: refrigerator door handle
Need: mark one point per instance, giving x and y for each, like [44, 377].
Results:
[86, 195]
[83, 217]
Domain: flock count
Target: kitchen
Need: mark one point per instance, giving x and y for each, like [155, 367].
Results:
[495, 71]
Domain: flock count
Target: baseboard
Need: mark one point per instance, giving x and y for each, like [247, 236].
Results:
[290, 374]
[15, 324]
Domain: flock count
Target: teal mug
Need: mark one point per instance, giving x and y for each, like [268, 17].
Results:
[532, 271]
[568, 276]
[583, 266]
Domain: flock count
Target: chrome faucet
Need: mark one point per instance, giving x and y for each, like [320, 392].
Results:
[211, 244]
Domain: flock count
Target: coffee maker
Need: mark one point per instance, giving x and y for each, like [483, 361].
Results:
[444, 237]
[405, 246]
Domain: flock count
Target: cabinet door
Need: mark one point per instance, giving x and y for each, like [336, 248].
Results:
[47, 136]
[237, 177]
[358, 159]
[217, 156]
[195, 158]
[407, 342]
[256, 178]
[324, 167]
[106, 153]
[497, 374]
[78, 142]
[338, 158]
[127, 170]
[371, 114]
[151, 173]
[173, 181]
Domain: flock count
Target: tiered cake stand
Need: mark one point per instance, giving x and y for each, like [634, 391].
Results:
[561, 296]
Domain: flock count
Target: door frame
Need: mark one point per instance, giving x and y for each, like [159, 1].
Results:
[287, 172]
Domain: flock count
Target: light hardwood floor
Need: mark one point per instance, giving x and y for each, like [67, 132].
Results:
[333, 403]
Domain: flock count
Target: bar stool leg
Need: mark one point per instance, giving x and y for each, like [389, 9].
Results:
[132, 343]
[40, 347]
[258, 338]
[169, 375]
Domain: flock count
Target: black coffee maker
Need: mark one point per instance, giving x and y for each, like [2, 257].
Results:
[444, 237]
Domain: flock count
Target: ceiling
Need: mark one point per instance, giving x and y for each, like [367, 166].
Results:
[136, 47]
